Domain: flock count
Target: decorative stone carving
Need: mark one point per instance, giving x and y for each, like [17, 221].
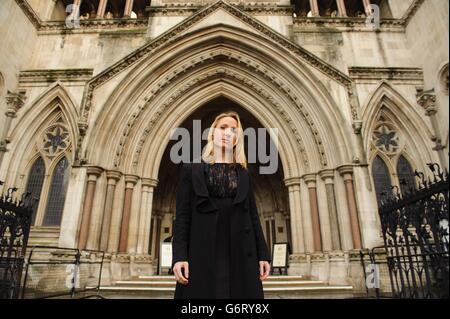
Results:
[386, 139]
[56, 139]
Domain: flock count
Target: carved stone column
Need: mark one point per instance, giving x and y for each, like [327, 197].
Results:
[93, 173]
[310, 181]
[101, 9]
[128, 8]
[112, 178]
[328, 178]
[341, 8]
[130, 182]
[367, 7]
[296, 219]
[14, 102]
[427, 100]
[314, 8]
[145, 216]
[346, 172]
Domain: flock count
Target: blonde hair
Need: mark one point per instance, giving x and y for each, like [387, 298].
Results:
[238, 148]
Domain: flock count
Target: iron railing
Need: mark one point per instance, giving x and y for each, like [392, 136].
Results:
[56, 272]
[15, 219]
[416, 239]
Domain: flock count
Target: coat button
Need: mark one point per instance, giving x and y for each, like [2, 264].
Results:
[249, 254]
[247, 230]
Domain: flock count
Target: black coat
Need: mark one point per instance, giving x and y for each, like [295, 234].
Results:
[195, 230]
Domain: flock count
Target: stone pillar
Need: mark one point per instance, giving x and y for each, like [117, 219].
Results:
[75, 9]
[346, 172]
[73, 207]
[328, 178]
[101, 9]
[93, 173]
[341, 8]
[297, 229]
[145, 216]
[427, 100]
[130, 181]
[310, 181]
[367, 7]
[76, 4]
[112, 178]
[14, 102]
[128, 8]
[314, 8]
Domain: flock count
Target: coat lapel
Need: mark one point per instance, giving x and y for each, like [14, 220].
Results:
[203, 202]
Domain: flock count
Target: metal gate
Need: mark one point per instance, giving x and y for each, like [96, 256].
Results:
[416, 237]
[15, 217]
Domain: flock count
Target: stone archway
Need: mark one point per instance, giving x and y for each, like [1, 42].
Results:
[127, 118]
[271, 193]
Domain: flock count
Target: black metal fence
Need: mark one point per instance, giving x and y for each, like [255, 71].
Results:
[15, 219]
[416, 240]
[48, 272]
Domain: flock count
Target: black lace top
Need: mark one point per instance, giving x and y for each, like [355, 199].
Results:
[222, 179]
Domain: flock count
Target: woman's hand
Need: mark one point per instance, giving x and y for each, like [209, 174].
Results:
[264, 270]
[181, 271]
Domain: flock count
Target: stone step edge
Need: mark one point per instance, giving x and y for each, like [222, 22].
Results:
[319, 288]
[306, 283]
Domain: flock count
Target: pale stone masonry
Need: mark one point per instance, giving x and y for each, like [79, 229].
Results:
[113, 89]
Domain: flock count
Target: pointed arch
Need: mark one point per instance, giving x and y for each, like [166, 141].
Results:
[56, 102]
[443, 79]
[406, 117]
[303, 108]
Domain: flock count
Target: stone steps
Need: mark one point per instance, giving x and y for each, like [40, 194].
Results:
[274, 287]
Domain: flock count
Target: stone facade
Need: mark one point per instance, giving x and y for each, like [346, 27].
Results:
[133, 70]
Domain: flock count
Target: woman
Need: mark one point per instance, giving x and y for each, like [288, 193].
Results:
[219, 250]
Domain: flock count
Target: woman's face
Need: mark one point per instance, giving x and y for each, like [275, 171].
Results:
[225, 133]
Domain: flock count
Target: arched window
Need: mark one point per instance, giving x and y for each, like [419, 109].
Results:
[57, 194]
[380, 174]
[405, 175]
[34, 183]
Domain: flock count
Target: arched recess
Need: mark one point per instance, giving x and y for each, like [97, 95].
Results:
[388, 105]
[443, 79]
[52, 109]
[277, 88]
